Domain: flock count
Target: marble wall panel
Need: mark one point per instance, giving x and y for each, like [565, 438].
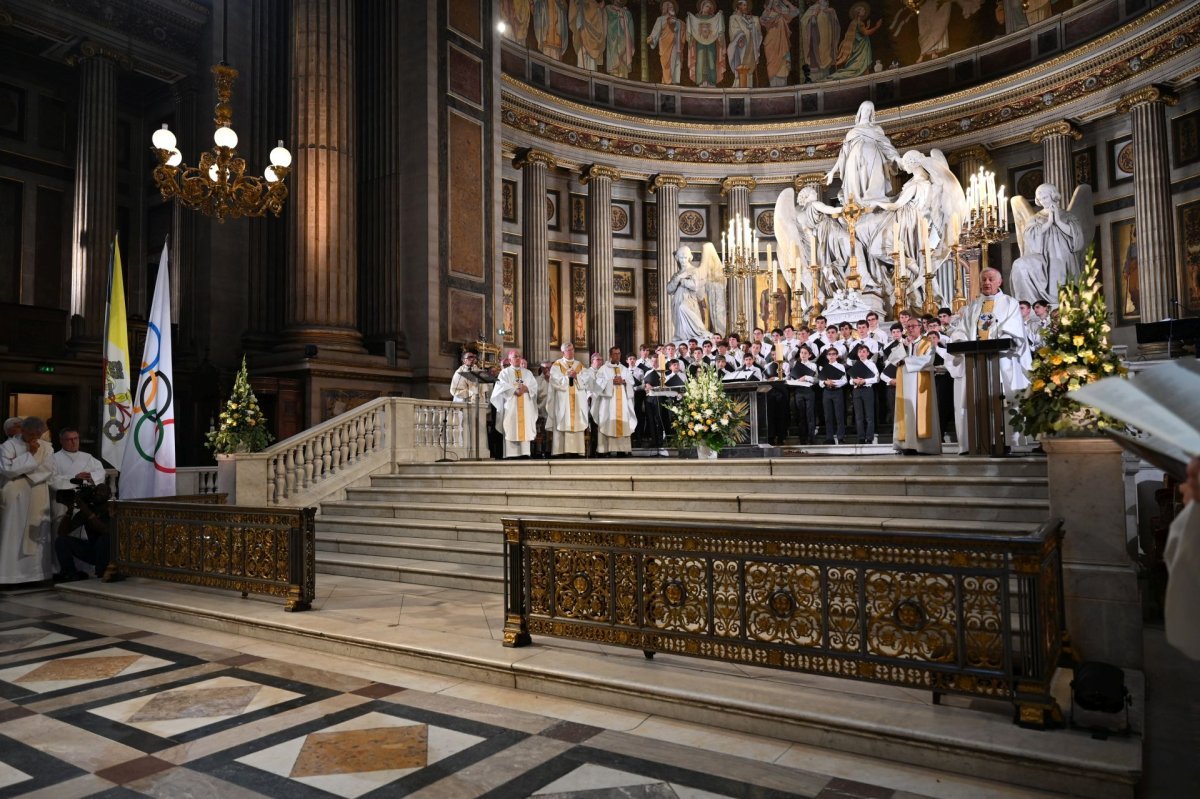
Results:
[464, 75]
[466, 197]
[466, 315]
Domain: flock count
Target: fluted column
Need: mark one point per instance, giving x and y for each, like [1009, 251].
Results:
[740, 294]
[323, 280]
[95, 210]
[969, 160]
[1152, 209]
[535, 254]
[667, 188]
[601, 329]
[1058, 162]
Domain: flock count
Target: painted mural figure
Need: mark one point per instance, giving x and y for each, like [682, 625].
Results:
[866, 161]
[515, 14]
[588, 30]
[620, 39]
[667, 36]
[855, 54]
[776, 23]
[933, 24]
[550, 27]
[745, 40]
[706, 45]
[820, 34]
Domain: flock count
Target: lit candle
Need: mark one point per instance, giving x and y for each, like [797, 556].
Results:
[774, 271]
[925, 245]
[991, 187]
[896, 234]
[723, 258]
[812, 241]
[954, 228]
[1003, 208]
[658, 366]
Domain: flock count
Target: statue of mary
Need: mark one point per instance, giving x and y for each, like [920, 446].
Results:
[866, 161]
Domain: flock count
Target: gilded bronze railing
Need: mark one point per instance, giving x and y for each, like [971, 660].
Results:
[202, 541]
[980, 615]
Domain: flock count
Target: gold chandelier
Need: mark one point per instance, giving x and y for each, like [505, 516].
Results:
[219, 185]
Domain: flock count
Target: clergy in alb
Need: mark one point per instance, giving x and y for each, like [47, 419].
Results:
[916, 428]
[615, 418]
[26, 467]
[569, 420]
[515, 399]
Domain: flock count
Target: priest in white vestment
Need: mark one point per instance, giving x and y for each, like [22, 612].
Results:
[26, 467]
[71, 464]
[615, 418]
[916, 428]
[570, 418]
[515, 399]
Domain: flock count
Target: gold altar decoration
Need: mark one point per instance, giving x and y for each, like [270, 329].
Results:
[979, 615]
[960, 296]
[987, 214]
[252, 550]
[219, 186]
[739, 259]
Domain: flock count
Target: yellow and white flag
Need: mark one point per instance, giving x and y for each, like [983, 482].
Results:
[118, 402]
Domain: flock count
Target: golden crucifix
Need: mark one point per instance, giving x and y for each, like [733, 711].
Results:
[851, 212]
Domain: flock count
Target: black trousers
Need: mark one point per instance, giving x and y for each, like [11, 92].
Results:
[804, 411]
[864, 413]
[777, 413]
[94, 551]
[833, 401]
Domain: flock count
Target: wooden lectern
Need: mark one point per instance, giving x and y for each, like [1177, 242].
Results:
[983, 394]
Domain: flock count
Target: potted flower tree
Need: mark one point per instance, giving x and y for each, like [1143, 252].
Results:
[241, 427]
[705, 417]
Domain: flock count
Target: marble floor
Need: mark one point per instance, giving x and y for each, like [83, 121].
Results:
[98, 702]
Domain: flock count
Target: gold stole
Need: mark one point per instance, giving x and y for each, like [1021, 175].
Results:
[985, 333]
[520, 407]
[924, 406]
[562, 364]
[619, 402]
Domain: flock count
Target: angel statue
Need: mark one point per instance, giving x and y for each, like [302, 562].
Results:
[803, 226]
[1052, 242]
[866, 161]
[685, 289]
[714, 288]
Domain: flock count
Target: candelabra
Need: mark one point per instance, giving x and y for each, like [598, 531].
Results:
[739, 261]
[899, 286]
[987, 217]
[219, 186]
[815, 309]
[960, 298]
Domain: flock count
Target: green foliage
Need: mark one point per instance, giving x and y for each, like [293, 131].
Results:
[1075, 351]
[706, 415]
[241, 426]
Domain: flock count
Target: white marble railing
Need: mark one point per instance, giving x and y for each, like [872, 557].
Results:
[320, 463]
[188, 480]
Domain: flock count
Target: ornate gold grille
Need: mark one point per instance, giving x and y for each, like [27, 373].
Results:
[200, 542]
[969, 614]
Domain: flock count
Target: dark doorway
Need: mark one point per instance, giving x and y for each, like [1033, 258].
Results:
[625, 331]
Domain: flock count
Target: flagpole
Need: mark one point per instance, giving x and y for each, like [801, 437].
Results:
[112, 249]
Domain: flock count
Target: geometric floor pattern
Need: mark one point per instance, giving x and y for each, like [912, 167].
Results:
[90, 708]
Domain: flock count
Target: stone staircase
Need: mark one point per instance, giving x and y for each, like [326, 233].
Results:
[440, 523]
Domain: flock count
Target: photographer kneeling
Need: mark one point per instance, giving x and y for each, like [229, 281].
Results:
[87, 507]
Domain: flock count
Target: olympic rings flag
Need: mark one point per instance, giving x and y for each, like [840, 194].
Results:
[148, 467]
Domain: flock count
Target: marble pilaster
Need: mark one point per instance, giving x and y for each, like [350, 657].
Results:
[535, 254]
[1152, 207]
[323, 268]
[95, 208]
[601, 329]
[1058, 164]
[739, 293]
[667, 188]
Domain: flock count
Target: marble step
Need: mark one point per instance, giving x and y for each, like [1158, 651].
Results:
[797, 466]
[418, 529]
[443, 574]
[390, 545]
[378, 501]
[791, 486]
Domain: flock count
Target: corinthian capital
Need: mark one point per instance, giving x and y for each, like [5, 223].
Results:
[678, 181]
[1147, 94]
[1060, 128]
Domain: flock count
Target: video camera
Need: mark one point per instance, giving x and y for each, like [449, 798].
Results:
[85, 493]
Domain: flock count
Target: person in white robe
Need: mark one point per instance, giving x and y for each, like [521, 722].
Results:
[615, 418]
[915, 429]
[26, 467]
[515, 399]
[991, 315]
[569, 420]
[72, 464]
[1182, 556]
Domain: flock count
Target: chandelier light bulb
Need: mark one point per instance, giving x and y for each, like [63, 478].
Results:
[214, 173]
[225, 137]
[269, 175]
[163, 138]
[280, 156]
[176, 157]
[501, 27]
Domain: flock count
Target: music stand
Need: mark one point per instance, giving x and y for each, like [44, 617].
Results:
[479, 380]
